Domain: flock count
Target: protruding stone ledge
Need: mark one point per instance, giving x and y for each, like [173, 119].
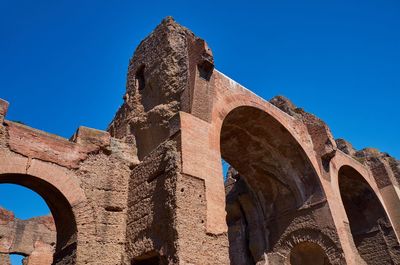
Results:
[91, 137]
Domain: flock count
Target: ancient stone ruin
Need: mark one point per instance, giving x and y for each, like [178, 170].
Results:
[150, 189]
[34, 238]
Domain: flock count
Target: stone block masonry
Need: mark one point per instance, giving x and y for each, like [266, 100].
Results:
[34, 238]
[150, 189]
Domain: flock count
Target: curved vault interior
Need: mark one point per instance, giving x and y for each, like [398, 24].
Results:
[273, 179]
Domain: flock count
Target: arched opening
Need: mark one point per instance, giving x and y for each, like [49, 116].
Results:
[308, 253]
[270, 180]
[26, 227]
[61, 210]
[372, 231]
[16, 259]
[225, 169]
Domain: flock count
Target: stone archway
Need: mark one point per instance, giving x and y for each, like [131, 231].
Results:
[308, 253]
[370, 227]
[62, 193]
[273, 182]
[32, 239]
[298, 246]
[60, 208]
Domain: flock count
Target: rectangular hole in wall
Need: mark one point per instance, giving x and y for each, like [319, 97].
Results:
[151, 258]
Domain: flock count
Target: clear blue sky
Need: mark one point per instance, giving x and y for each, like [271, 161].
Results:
[63, 63]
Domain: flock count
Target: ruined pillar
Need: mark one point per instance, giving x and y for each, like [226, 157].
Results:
[34, 238]
[167, 212]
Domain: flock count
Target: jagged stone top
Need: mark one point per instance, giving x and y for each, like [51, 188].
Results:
[6, 215]
[367, 152]
[167, 26]
[370, 157]
[287, 106]
[9, 216]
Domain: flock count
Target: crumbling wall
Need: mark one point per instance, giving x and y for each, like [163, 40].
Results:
[34, 238]
[161, 79]
[84, 181]
[150, 190]
[151, 224]
[159, 84]
[256, 238]
[104, 177]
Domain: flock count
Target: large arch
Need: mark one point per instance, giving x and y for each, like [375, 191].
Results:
[60, 190]
[202, 158]
[255, 142]
[32, 238]
[371, 229]
[274, 180]
[59, 206]
[301, 245]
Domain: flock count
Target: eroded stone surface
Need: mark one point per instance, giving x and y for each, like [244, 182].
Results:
[150, 190]
[34, 238]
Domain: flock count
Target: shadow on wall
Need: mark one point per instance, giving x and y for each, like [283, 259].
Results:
[372, 231]
[274, 178]
[308, 253]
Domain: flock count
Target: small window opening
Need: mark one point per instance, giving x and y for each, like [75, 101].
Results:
[16, 259]
[140, 80]
[152, 258]
[205, 69]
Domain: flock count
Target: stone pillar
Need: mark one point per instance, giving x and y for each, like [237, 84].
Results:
[200, 196]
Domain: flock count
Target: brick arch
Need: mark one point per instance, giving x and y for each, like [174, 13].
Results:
[270, 128]
[307, 235]
[388, 196]
[203, 133]
[33, 238]
[277, 173]
[61, 191]
[341, 160]
[227, 103]
[201, 152]
[207, 141]
[308, 253]
[368, 217]
[295, 133]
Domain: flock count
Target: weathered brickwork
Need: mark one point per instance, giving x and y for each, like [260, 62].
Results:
[34, 238]
[150, 189]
